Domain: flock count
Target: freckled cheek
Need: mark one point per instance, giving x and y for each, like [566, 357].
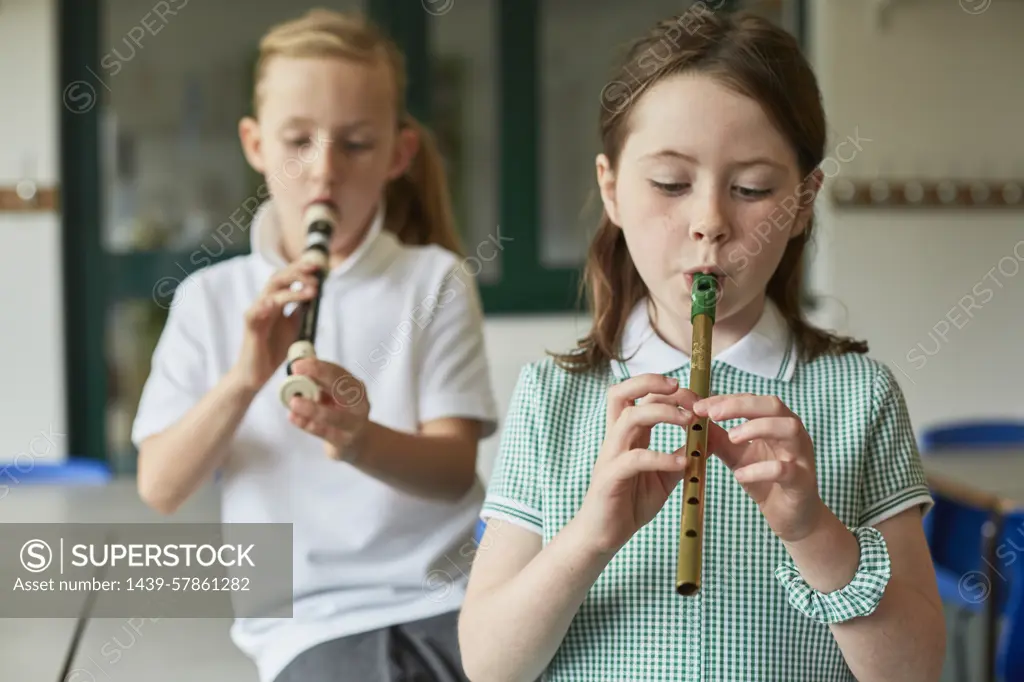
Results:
[764, 230]
[752, 258]
[641, 209]
[654, 248]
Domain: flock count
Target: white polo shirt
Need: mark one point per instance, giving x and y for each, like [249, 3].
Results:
[405, 320]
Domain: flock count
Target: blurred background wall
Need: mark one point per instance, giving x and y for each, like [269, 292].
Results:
[32, 334]
[930, 88]
[937, 293]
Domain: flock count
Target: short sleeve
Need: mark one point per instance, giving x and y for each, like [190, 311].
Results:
[454, 373]
[894, 478]
[177, 378]
[513, 493]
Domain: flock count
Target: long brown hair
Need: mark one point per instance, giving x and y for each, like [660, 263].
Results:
[417, 204]
[759, 60]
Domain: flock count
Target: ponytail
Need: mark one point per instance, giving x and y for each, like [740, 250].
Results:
[418, 208]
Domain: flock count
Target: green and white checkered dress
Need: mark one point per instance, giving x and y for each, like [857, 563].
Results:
[742, 625]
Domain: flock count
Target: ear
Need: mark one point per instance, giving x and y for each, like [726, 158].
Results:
[252, 143]
[407, 145]
[606, 183]
[807, 193]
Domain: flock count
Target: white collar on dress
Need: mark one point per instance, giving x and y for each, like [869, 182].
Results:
[768, 350]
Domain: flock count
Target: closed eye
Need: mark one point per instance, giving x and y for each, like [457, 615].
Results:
[356, 147]
[752, 193]
[670, 188]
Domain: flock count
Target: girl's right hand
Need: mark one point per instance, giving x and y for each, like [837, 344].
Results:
[630, 483]
[268, 333]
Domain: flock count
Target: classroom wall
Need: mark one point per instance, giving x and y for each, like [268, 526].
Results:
[937, 91]
[32, 420]
[933, 88]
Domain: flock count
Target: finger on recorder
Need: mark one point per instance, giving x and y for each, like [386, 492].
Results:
[636, 387]
[629, 391]
[298, 271]
[639, 417]
[282, 298]
[677, 399]
[640, 460]
[651, 414]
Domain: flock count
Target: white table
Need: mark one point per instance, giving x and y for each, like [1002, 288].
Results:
[115, 649]
[980, 475]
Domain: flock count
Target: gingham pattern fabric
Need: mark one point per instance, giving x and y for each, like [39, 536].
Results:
[742, 625]
[859, 598]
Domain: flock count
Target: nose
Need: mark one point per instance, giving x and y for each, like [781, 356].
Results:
[710, 222]
[323, 160]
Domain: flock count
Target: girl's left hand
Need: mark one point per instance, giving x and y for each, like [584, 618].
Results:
[342, 415]
[772, 456]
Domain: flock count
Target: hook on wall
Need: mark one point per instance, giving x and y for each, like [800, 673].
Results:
[928, 193]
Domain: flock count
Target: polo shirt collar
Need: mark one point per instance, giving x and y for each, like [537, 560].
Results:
[768, 350]
[265, 240]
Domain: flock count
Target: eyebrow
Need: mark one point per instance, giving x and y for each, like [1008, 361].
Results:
[760, 161]
[302, 121]
[746, 163]
[668, 153]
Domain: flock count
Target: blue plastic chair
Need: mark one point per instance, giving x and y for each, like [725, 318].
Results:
[977, 434]
[73, 471]
[972, 559]
[959, 530]
[980, 570]
[965, 436]
[1009, 661]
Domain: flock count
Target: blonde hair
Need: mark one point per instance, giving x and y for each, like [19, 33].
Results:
[417, 204]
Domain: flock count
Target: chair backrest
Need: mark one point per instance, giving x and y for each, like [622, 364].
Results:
[1010, 566]
[956, 531]
[956, 545]
[963, 437]
[972, 434]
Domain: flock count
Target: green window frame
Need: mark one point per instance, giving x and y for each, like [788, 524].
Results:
[85, 283]
[525, 286]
